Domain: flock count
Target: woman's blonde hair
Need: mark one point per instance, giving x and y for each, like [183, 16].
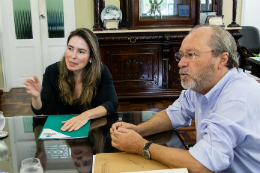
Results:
[90, 76]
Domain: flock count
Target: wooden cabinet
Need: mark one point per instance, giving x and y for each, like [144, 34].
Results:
[160, 14]
[173, 69]
[135, 62]
[133, 17]
[133, 66]
[141, 58]
[142, 62]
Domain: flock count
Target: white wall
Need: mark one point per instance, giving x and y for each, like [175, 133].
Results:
[112, 2]
[84, 12]
[227, 11]
[250, 13]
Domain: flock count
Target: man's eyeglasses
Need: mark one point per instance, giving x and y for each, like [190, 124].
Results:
[189, 56]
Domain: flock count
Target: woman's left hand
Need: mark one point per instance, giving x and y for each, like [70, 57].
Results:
[75, 123]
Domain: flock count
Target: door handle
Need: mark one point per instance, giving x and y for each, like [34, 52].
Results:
[42, 16]
[132, 41]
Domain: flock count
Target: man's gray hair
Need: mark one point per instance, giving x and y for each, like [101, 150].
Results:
[222, 41]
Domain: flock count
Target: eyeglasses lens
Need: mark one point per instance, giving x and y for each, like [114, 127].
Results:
[178, 56]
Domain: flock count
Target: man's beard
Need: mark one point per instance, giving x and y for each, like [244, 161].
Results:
[198, 81]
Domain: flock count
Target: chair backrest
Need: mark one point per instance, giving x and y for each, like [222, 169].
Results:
[250, 38]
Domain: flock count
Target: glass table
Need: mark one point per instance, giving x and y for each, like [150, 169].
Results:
[71, 155]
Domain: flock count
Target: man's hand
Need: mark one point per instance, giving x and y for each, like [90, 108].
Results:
[75, 123]
[116, 126]
[127, 140]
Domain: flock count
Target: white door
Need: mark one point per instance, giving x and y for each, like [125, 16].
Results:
[53, 48]
[23, 58]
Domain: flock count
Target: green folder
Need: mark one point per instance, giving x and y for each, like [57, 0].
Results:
[52, 128]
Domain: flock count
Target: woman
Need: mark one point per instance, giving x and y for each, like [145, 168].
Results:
[80, 83]
[82, 151]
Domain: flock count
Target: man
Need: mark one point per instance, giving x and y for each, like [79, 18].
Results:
[222, 100]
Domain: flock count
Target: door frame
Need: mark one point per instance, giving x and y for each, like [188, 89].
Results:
[1, 46]
[5, 52]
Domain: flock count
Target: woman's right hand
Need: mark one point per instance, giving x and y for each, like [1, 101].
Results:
[33, 87]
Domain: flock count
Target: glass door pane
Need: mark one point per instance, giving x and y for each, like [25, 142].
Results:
[55, 18]
[22, 19]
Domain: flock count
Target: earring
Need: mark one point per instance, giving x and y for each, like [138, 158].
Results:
[90, 61]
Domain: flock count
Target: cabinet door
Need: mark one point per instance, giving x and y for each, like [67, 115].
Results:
[134, 68]
[173, 69]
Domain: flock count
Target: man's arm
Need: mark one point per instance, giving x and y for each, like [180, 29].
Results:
[158, 123]
[131, 142]
[176, 158]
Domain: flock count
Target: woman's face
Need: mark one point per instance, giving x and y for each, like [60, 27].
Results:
[77, 54]
[82, 157]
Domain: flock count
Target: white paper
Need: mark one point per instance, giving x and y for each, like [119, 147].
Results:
[93, 163]
[47, 133]
[255, 58]
[216, 20]
[177, 170]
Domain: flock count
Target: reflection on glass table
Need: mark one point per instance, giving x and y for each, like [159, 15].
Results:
[2, 125]
[31, 165]
[164, 9]
[70, 155]
[3, 150]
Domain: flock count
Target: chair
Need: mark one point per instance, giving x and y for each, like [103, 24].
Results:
[251, 40]
[243, 55]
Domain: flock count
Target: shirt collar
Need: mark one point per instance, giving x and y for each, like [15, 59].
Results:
[214, 93]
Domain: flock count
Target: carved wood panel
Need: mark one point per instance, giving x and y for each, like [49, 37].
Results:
[135, 67]
[173, 69]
